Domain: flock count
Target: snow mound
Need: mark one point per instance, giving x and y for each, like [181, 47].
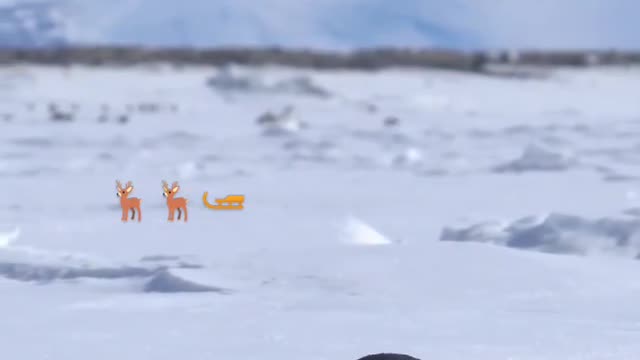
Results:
[167, 281]
[557, 233]
[301, 85]
[189, 170]
[39, 265]
[35, 265]
[178, 139]
[7, 239]
[45, 273]
[309, 150]
[283, 123]
[171, 261]
[227, 81]
[536, 158]
[409, 157]
[357, 232]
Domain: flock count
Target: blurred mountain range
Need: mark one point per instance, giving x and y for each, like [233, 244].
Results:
[328, 24]
[31, 25]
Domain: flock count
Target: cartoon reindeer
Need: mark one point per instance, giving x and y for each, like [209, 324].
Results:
[174, 203]
[128, 203]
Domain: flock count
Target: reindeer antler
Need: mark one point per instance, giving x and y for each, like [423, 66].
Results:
[165, 186]
[118, 185]
[129, 184]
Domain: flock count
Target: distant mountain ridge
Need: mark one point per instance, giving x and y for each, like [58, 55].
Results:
[31, 24]
[326, 24]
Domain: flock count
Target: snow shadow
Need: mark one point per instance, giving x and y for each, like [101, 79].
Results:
[164, 281]
[536, 158]
[558, 234]
[37, 266]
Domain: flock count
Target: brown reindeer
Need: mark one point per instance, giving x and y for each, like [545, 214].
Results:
[174, 203]
[128, 203]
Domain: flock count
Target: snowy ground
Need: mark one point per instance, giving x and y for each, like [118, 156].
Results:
[496, 220]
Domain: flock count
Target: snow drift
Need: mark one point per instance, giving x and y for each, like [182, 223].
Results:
[226, 80]
[537, 158]
[8, 238]
[42, 266]
[557, 233]
[167, 281]
[357, 232]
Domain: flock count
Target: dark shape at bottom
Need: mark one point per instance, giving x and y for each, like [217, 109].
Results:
[388, 356]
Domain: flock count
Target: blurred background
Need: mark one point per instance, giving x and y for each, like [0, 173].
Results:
[326, 24]
[450, 179]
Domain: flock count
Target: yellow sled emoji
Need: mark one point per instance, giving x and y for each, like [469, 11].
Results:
[231, 202]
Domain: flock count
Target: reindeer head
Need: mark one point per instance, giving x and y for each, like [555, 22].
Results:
[169, 192]
[123, 192]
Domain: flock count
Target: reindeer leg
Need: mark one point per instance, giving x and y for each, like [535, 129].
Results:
[124, 215]
[185, 214]
[133, 213]
[179, 213]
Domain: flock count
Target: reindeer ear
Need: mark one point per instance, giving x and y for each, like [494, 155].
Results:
[129, 189]
[175, 189]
